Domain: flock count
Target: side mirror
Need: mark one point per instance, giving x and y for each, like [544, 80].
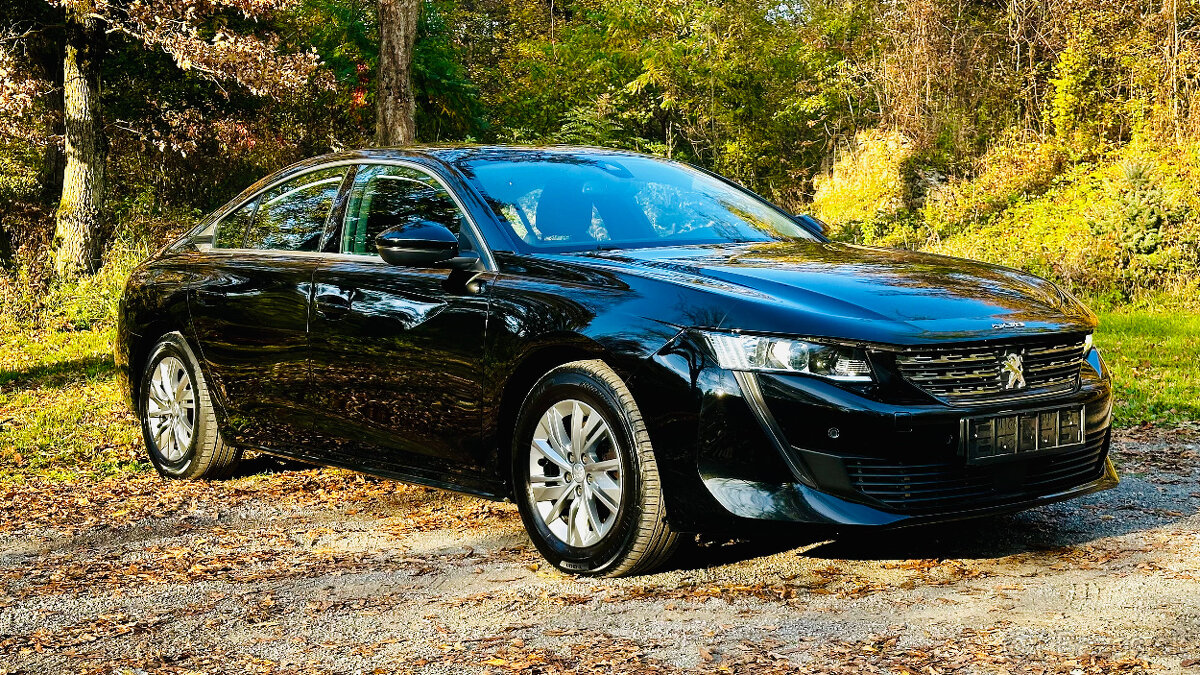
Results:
[419, 244]
[814, 224]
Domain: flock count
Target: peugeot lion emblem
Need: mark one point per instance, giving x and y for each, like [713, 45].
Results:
[1012, 371]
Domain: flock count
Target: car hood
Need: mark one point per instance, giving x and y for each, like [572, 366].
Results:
[856, 292]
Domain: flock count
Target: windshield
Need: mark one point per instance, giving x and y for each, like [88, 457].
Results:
[557, 201]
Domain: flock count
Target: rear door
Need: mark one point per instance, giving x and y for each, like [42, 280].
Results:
[398, 351]
[251, 311]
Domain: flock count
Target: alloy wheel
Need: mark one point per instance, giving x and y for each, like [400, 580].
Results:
[575, 479]
[171, 409]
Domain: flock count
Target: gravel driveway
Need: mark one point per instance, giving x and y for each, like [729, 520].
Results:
[310, 570]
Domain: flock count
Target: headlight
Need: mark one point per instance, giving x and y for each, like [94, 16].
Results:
[754, 352]
[1087, 345]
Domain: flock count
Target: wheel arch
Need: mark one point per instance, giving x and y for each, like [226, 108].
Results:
[141, 346]
[154, 303]
[534, 365]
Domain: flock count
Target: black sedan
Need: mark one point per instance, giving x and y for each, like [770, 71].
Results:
[628, 347]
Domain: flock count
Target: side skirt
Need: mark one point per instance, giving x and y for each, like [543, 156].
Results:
[485, 490]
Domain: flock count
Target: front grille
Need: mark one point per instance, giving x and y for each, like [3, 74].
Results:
[975, 374]
[955, 486]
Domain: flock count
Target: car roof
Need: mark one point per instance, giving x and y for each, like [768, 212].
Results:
[459, 154]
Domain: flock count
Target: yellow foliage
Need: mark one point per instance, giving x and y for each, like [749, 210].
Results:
[1083, 232]
[1007, 173]
[867, 182]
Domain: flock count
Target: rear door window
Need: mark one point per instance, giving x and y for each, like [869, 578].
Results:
[291, 217]
[231, 231]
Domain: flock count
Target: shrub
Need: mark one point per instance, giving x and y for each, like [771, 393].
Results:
[30, 296]
[1120, 228]
[1010, 172]
[866, 194]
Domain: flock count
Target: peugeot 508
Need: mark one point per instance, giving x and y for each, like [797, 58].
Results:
[629, 348]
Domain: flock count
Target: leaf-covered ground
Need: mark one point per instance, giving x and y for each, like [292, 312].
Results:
[319, 571]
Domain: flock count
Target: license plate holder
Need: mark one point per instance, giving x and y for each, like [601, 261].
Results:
[1011, 435]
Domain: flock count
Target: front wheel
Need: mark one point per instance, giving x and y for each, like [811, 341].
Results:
[585, 476]
[179, 424]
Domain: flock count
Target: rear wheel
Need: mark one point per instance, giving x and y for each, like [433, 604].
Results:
[178, 421]
[586, 479]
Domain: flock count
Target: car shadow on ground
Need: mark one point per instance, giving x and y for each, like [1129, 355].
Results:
[1006, 536]
[987, 537]
[260, 463]
[1139, 503]
[1116, 513]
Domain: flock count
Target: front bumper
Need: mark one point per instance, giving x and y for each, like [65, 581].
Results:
[122, 344]
[798, 503]
[800, 449]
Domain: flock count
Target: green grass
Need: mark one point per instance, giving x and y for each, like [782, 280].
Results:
[1154, 356]
[62, 414]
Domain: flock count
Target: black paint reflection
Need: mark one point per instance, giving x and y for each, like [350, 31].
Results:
[397, 355]
[250, 315]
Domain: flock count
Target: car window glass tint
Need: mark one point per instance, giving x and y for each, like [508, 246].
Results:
[292, 216]
[232, 228]
[389, 196]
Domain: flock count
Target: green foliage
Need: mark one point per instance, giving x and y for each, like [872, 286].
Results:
[20, 190]
[589, 125]
[18, 172]
[1073, 106]
[1139, 228]
[1121, 226]
[448, 101]
[867, 192]
[747, 92]
[30, 298]
[343, 34]
[1010, 172]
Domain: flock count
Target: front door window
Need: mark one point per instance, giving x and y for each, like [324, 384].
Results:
[388, 196]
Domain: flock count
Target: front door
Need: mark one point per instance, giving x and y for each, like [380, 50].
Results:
[251, 309]
[397, 351]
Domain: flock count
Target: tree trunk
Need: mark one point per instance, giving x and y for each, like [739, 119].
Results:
[78, 227]
[395, 105]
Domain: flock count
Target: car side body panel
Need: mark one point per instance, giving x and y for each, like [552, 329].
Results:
[250, 314]
[396, 360]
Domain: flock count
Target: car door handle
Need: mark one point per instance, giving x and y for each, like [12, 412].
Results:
[333, 306]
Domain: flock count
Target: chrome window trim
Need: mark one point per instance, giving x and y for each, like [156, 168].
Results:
[485, 251]
[339, 180]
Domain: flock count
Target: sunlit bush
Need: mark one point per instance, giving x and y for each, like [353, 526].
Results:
[31, 297]
[867, 188]
[1007, 174]
[1119, 228]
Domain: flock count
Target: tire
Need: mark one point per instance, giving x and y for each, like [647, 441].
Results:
[202, 453]
[631, 538]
